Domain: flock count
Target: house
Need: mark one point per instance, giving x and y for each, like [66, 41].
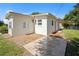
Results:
[20, 24]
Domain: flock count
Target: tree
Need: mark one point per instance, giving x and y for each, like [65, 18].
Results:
[1, 23]
[73, 15]
[76, 14]
[3, 27]
[66, 17]
[34, 13]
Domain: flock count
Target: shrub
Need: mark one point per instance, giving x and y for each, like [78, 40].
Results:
[65, 25]
[3, 29]
[1, 23]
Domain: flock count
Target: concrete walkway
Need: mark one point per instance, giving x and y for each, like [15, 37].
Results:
[47, 46]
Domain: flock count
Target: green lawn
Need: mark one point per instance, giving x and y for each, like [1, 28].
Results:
[8, 48]
[72, 46]
[71, 34]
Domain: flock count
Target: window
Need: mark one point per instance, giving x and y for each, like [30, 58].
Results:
[52, 22]
[39, 22]
[33, 21]
[10, 25]
[24, 25]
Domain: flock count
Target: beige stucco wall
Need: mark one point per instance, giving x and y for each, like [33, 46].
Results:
[18, 21]
[57, 24]
[31, 27]
[46, 28]
[50, 27]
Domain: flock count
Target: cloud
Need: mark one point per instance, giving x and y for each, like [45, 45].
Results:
[9, 11]
[5, 21]
[26, 13]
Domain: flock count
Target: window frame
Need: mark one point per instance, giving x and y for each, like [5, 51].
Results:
[24, 24]
[40, 22]
[10, 25]
[52, 22]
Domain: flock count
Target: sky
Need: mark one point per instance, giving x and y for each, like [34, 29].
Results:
[57, 9]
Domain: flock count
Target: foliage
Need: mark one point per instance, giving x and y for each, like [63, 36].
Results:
[3, 29]
[1, 23]
[73, 14]
[34, 13]
[65, 25]
[8, 48]
[66, 17]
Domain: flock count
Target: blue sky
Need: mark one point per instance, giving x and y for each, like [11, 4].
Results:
[57, 9]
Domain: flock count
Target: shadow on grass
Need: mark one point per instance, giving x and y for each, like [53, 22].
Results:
[72, 48]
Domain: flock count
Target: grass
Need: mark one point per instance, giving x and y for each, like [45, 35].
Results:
[8, 48]
[73, 45]
[71, 34]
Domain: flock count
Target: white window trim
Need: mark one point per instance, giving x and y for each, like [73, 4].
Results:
[40, 22]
